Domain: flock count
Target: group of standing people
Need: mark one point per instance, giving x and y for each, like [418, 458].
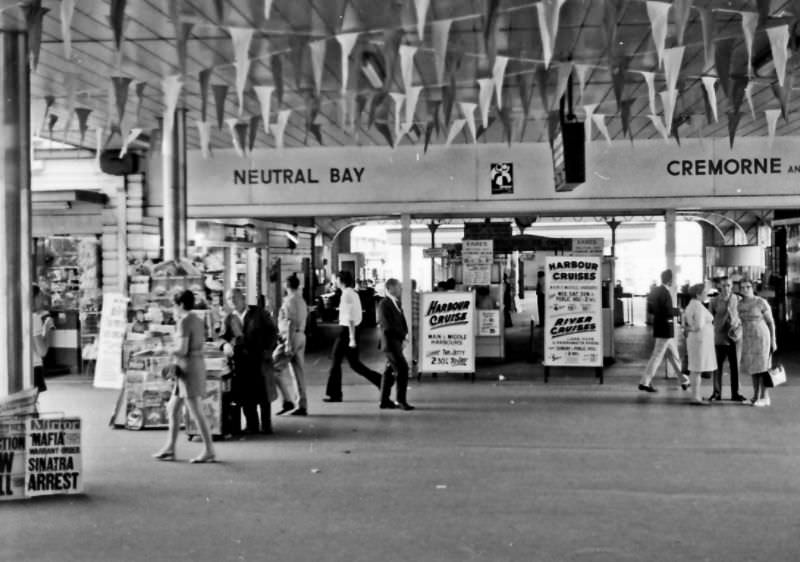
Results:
[250, 336]
[739, 329]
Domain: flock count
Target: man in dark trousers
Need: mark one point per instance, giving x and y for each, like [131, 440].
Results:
[346, 345]
[251, 336]
[393, 334]
[659, 306]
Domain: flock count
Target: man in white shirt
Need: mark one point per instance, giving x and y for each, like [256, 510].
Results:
[346, 345]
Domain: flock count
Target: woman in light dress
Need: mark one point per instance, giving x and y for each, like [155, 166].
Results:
[191, 384]
[698, 325]
[758, 341]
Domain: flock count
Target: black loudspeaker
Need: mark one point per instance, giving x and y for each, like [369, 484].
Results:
[569, 156]
[112, 164]
[574, 152]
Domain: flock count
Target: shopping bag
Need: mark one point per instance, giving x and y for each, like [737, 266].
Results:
[777, 375]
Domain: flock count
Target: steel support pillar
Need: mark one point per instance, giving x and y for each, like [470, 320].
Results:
[173, 166]
[405, 242]
[15, 215]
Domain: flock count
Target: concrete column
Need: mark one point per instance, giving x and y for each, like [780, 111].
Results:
[173, 174]
[16, 370]
[405, 242]
[252, 275]
[670, 249]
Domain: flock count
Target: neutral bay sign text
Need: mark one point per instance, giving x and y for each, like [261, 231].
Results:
[289, 176]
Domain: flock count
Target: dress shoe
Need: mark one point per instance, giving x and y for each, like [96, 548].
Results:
[388, 406]
[647, 388]
[685, 384]
[739, 398]
[287, 407]
[715, 396]
[406, 406]
[164, 456]
[299, 412]
[332, 399]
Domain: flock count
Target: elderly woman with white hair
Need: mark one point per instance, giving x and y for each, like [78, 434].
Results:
[698, 324]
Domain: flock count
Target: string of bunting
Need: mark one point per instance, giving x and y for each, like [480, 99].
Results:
[353, 104]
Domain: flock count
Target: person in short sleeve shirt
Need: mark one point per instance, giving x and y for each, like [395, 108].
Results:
[42, 329]
[346, 345]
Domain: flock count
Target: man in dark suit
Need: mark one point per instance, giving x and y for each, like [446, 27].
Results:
[393, 337]
[660, 308]
[251, 336]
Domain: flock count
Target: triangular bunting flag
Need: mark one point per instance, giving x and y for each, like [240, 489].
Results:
[709, 83]
[255, 121]
[600, 121]
[440, 32]
[121, 85]
[486, 90]
[498, 76]
[668, 99]
[468, 111]
[749, 24]
[279, 127]
[384, 130]
[297, 46]
[220, 92]
[562, 79]
[205, 82]
[618, 73]
[407, 53]
[649, 78]
[219, 10]
[783, 95]
[541, 83]
[428, 135]
[242, 69]
[625, 116]
[448, 100]
[346, 41]
[264, 95]
[748, 95]
[67, 11]
[422, 14]
[276, 66]
[547, 12]
[738, 92]
[733, 124]
[771, 115]
[505, 119]
[140, 86]
[657, 13]
[238, 143]
[588, 111]
[722, 62]
[659, 125]
[707, 27]
[673, 58]
[779, 46]
[34, 13]
[318, 49]
[131, 136]
[183, 31]
[171, 86]
[412, 98]
[83, 120]
[582, 71]
[682, 9]
[455, 128]
[117, 20]
[204, 131]
[398, 100]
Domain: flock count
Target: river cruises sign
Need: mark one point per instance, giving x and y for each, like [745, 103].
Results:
[447, 332]
[573, 312]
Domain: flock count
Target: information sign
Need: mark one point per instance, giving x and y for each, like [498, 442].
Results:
[53, 457]
[447, 336]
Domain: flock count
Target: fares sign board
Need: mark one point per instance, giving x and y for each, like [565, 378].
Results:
[478, 256]
[447, 332]
[573, 318]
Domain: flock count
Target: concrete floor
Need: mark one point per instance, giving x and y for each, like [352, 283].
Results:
[517, 470]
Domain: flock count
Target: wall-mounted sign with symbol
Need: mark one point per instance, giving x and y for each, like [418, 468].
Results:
[502, 177]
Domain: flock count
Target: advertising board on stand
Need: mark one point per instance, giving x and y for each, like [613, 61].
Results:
[573, 319]
[113, 324]
[447, 332]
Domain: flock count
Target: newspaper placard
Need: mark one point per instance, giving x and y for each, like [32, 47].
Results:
[113, 323]
[478, 256]
[53, 457]
[488, 322]
[12, 459]
[447, 337]
[573, 319]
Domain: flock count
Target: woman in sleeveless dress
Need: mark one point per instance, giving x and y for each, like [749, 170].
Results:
[758, 341]
[191, 384]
